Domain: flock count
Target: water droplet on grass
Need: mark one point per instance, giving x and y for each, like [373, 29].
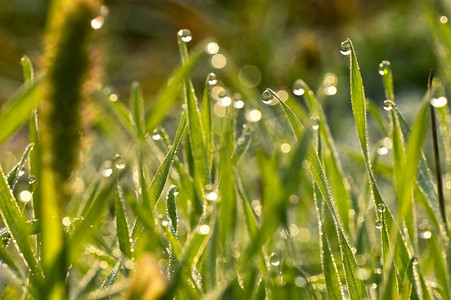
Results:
[439, 102]
[379, 224]
[425, 235]
[165, 221]
[414, 261]
[156, 136]
[212, 80]
[25, 196]
[267, 97]
[384, 67]
[254, 115]
[238, 104]
[298, 89]
[67, 221]
[185, 35]
[315, 125]
[204, 229]
[382, 150]
[381, 207]
[212, 48]
[345, 47]
[32, 180]
[274, 259]
[388, 105]
[97, 23]
[21, 172]
[118, 162]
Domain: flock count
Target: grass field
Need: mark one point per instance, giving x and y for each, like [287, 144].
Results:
[223, 192]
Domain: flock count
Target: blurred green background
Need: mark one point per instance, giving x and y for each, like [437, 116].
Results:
[273, 42]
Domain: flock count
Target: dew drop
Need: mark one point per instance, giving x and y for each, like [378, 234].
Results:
[107, 172]
[425, 235]
[267, 97]
[378, 224]
[414, 261]
[212, 48]
[212, 80]
[382, 150]
[345, 47]
[21, 172]
[25, 196]
[211, 196]
[274, 259]
[439, 102]
[384, 68]
[174, 190]
[254, 115]
[238, 104]
[225, 101]
[97, 23]
[285, 148]
[165, 221]
[315, 125]
[67, 221]
[32, 180]
[381, 207]
[298, 89]
[156, 136]
[388, 105]
[443, 19]
[118, 162]
[185, 35]
[113, 97]
[203, 229]
[300, 281]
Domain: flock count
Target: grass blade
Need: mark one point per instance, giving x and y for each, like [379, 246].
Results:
[16, 111]
[123, 235]
[18, 228]
[14, 175]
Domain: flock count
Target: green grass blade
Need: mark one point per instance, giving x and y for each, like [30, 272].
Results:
[18, 228]
[92, 216]
[330, 271]
[339, 185]
[5, 258]
[206, 121]
[358, 103]
[158, 181]
[355, 284]
[123, 235]
[17, 110]
[171, 209]
[195, 131]
[27, 70]
[14, 175]
[242, 144]
[387, 79]
[137, 101]
[111, 279]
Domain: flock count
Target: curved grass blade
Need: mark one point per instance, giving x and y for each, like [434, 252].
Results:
[137, 101]
[242, 144]
[158, 181]
[16, 111]
[358, 103]
[171, 209]
[338, 183]
[123, 235]
[330, 271]
[206, 121]
[92, 216]
[27, 70]
[111, 279]
[14, 175]
[18, 229]
[196, 133]
[356, 286]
